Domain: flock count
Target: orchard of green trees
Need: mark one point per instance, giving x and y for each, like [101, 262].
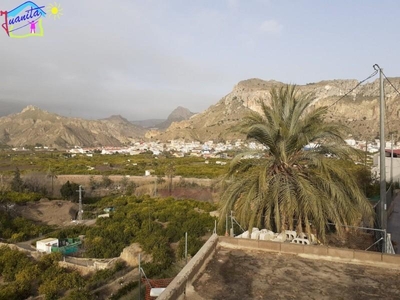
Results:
[53, 163]
[24, 277]
[156, 223]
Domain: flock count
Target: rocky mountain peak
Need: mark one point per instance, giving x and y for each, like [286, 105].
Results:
[180, 113]
[30, 108]
[117, 118]
[177, 115]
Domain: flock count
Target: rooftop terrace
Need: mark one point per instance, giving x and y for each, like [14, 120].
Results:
[253, 274]
[228, 268]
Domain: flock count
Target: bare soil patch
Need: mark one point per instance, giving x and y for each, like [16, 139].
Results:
[199, 193]
[355, 239]
[236, 274]
[55, 212]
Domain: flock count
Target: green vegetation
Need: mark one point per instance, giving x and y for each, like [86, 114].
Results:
[155, 224]
[18, 229]
[25, 277]
[289, 183]
[69, 191]
[53, 163]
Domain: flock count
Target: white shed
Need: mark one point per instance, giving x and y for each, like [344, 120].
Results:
[46, 244]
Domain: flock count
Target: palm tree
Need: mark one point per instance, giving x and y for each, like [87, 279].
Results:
[285, 186]
[52, 175]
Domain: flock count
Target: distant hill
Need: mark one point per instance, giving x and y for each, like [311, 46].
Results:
[359, 110]
[33, 125]
[151, 123]
[178, 114]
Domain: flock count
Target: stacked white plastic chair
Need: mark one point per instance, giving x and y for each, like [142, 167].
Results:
[281, 237]
[304, 239]
[290, 235]
[266, 235]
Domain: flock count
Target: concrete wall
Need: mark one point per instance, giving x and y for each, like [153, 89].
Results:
[396, 167]
[176, 289]
[83, 270]
[324, 252]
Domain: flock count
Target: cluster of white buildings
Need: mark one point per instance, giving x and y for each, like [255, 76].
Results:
[181, 148]
[178, 148]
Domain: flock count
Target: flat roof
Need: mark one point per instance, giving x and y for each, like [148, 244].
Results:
[253, 274]
[48, 240]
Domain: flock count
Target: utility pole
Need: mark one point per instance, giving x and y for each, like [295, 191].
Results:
[232, 233]
[365, 163]
[391, 162]
[382, 206]
[140, 277]
[80, 212]
[186, 247]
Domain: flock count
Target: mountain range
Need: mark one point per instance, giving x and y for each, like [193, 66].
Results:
[359, 110]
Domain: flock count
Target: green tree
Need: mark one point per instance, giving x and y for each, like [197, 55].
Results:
[285, 182]
[17, 184]
[106, 181]
[69, 191]
[170, 172]
[131, 188]
[51, 174]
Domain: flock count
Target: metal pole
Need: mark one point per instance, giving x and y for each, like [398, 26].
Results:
[385, 242]
[366, 151]
[382, 155]
[391, 162]
[80, 212]
[232, 234]
[226, 226]
[186, 247]
[365, 163]
[140, 278]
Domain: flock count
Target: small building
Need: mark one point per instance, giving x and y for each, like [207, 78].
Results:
[109, 209]
[67, 246]
[46, 245]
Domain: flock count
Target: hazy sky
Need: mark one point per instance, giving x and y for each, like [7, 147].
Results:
[143, 58]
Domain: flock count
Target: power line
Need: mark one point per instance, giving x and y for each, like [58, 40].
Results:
[386, 114]
[361, 82]
[390, 83]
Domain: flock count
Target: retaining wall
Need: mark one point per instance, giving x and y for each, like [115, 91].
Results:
[176, 289]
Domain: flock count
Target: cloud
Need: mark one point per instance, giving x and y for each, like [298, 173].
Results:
[233, 4]
[271, 26]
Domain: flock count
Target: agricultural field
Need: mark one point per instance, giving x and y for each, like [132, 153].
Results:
[116, 164]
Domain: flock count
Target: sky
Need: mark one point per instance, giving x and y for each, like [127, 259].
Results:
[143, 58]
